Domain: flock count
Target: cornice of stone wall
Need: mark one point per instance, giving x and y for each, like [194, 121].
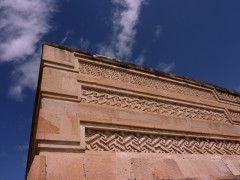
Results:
[219, 93]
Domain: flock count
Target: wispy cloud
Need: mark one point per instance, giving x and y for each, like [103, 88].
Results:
[125, 18]
[22, 147]
[22, 25]
[166, 67]
[140, 60]
[83, 43]
[24, 75]
[158, 31]
[24, 160]
[68, 33]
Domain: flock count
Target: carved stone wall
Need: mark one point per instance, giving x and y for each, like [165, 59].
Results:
[228, 97]
[134, 78]
[131, 102]
[100, 118]
[117, 141]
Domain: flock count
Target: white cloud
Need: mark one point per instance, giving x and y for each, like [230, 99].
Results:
[158, 31]
[140, 60]
[83, 43]
[24, 75]
[166, 67]
[125, 18]
[22, 25]
[68, 33]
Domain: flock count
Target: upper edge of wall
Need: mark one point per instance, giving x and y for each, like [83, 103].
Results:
[128, 65]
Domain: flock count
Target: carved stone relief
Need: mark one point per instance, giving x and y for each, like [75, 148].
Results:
[228, 97]
[163, 107]
[120, 141]
[235, 115]
[134, 78]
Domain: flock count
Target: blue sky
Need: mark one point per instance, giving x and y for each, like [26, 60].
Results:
[198, 39]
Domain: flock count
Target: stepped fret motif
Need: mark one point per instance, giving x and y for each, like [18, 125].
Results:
[235, 114]
[131, 102]
[228, 97]
[156, 83]
[100, 140]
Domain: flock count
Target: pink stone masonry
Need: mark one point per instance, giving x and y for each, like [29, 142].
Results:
[100, 118]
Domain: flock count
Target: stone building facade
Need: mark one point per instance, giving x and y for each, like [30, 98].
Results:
[100, 118]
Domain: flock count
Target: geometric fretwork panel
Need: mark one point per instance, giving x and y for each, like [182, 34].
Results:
[228, 97]
[120, 141]
[156, 83]
[235, 115]
[151, 105]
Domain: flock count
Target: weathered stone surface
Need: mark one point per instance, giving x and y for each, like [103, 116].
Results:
[99, 118]
[64, 167]
[38, 168]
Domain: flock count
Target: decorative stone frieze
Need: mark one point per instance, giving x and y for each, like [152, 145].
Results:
[99, 118]
[235, 115]
[134, 78]
[162, 107]
[119, 141]
[228, 97]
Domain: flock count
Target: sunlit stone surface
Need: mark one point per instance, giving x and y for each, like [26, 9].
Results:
[100, 118]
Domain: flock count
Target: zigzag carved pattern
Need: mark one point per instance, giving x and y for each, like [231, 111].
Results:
[228, 97]
[99, 140]
[235, 115]
[119, 75]
[126, 101]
